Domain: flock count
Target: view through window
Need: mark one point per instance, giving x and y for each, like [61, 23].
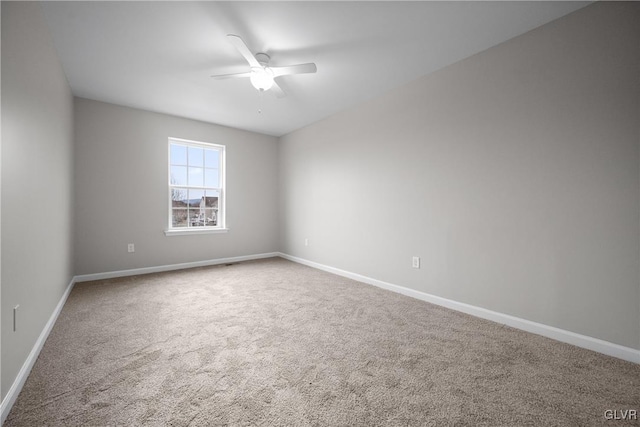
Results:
[196, 185]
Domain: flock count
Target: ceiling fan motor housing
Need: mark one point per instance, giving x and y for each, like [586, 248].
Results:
[263, 58]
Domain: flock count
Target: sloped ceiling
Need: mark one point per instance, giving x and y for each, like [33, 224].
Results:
[159, 56]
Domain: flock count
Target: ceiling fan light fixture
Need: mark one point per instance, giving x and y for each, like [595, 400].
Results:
[261, 74]
[261, 78]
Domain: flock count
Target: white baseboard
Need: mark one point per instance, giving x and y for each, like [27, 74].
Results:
[23, 374]
[17, 385]
[170, 267]
[605, 347]
[590, 343]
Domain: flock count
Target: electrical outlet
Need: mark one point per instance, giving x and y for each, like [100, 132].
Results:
[15, 317]
[306, 242]
[131, 248]
[416, 262]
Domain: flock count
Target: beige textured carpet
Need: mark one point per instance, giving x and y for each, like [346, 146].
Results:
[271, 342]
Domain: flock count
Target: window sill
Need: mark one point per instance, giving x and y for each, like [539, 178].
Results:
[194, 231]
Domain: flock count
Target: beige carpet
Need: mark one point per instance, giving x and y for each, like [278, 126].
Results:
[271, 342]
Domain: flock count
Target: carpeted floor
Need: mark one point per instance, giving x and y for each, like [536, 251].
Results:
[271, 342]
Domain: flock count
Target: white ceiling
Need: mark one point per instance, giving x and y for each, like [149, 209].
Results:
[159, 56]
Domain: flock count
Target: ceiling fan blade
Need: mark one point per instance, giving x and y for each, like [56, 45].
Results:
[244, 50]
[231, 76]
[294, 69]
[278, 90]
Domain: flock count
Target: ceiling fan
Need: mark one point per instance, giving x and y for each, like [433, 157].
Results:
[261, 74]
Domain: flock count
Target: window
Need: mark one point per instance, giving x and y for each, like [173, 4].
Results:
[196, 186]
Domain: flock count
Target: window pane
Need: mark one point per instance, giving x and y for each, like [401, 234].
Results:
[178, 154]
[195, 197]
[179, 217]
[194, 171]
[196, 156]
[178, 175]
[179, 197]
[211, 178]
[196, 177]
[212, 193]
[211, 199]
[211, 158]
[196, 218]
[210, 217]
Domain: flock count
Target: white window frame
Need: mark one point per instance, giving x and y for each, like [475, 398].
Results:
[220, 226]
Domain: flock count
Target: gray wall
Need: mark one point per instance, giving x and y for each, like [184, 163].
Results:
[513, 174]
[37, 181]
[121, 190]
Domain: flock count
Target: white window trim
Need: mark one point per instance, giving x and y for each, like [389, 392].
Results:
[202, 230]
[222, 205]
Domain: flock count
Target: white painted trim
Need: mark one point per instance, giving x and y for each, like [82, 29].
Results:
[605, 347]
[222, 167]
[170, 267]
[584, 341]
[188, 231]
[23, 374]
